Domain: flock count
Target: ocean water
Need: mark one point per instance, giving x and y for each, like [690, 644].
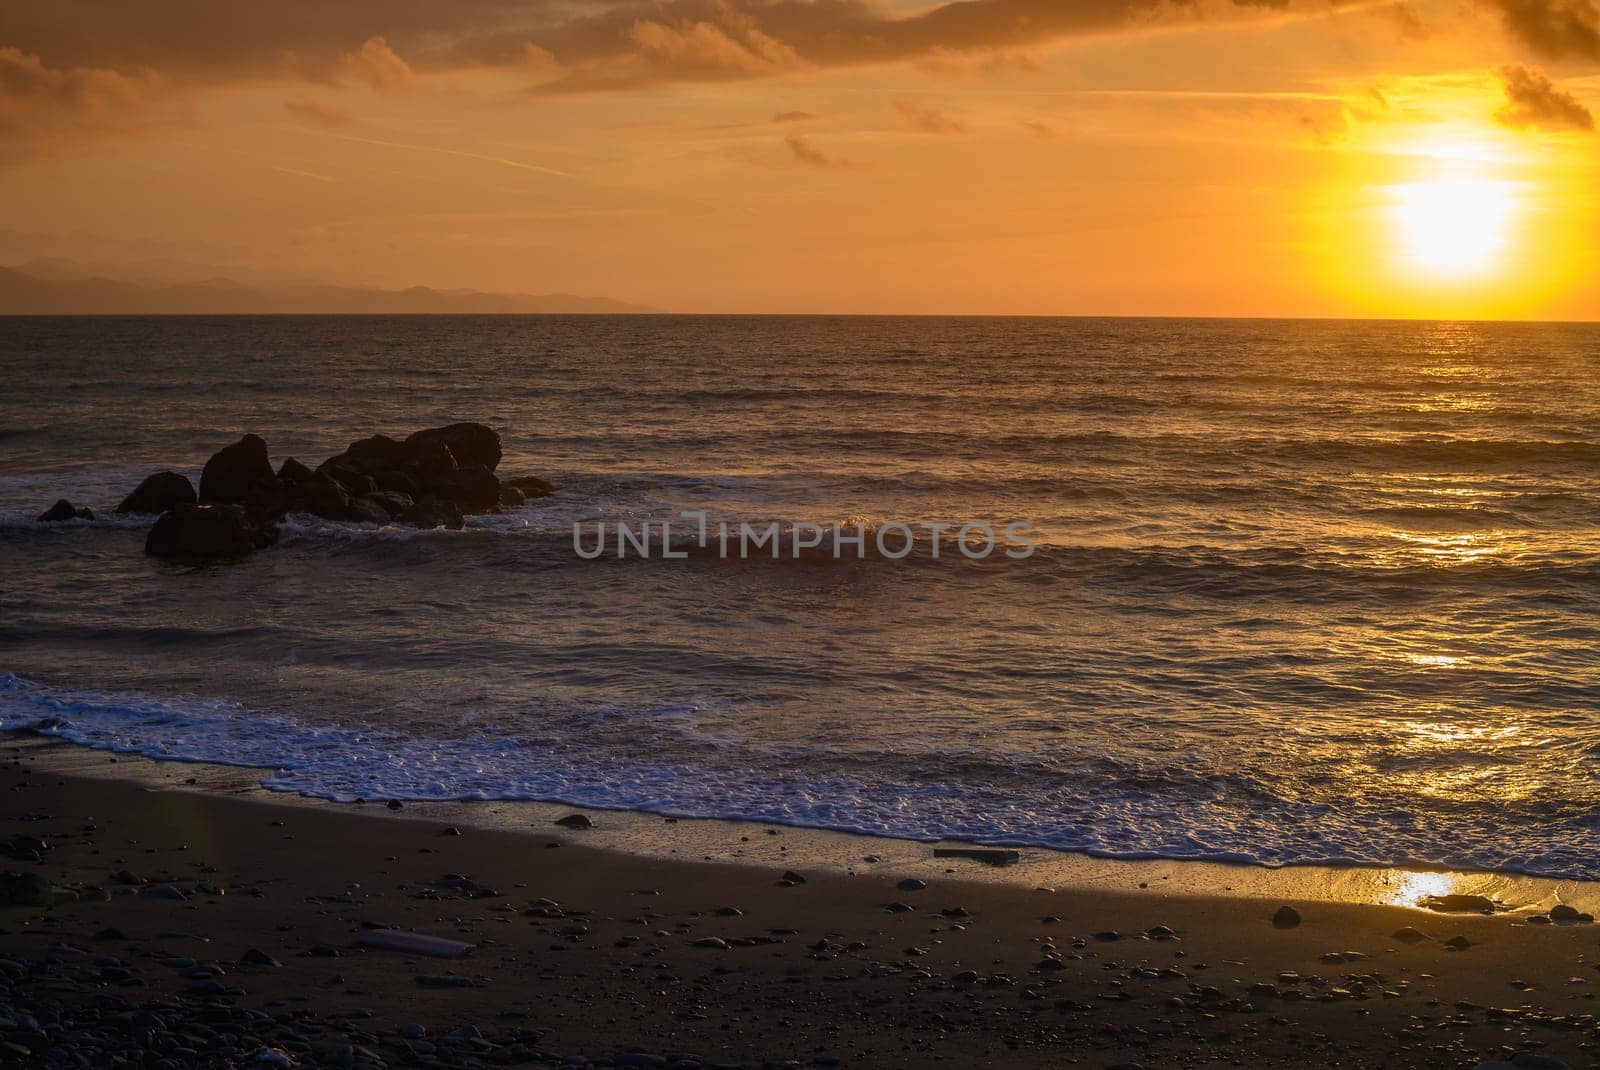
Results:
[1301, 591]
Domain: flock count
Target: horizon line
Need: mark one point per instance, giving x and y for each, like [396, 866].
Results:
[1250, 318]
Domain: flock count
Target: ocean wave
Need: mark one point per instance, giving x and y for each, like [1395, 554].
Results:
[1124, 811]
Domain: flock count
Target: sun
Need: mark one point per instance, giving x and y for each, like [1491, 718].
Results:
[1453, 227]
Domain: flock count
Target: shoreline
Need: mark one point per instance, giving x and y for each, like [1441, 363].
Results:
[650, 835]
[238, 927]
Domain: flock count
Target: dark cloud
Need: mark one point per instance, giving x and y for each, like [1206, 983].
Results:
[928, 120]
[592, 42]
[1554, 28]
[318, 114]
[109, 49]
[804, 152]
[1532, 100]
[793, 117]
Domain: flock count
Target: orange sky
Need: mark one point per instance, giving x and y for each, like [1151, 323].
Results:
[1435, 158]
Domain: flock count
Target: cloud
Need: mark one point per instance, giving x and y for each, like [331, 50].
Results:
[114, 53]
[39, 103]
[728, 41]
[793, 117]
[806, 153]
[378, 67]
[596, 42]
[1042, 130]
[318, 114]
[1554, 28]
[928, 120]
[1533, 101]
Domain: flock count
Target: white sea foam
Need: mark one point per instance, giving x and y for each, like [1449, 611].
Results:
[345, 763]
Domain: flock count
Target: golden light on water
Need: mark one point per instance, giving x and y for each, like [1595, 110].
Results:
[1409, 888]
[1451, 549]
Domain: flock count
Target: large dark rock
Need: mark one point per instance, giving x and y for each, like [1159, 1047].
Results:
[352, 479]
[207, 533]
[511, 497]
[396, 482]
[365, 510]
[429, 457]
[376, 454]
[158, 493]
[392, 501]
[235, 471]
[323, 496]
[472, 490]
[471, 444]
[293, 472]
[65, 510]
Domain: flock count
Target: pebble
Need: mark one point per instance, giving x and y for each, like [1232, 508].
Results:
[1287, 917]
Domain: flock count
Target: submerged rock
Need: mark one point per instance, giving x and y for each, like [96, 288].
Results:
[158, 493]
[432, 513]
[207, 533]
[1458, 904]
[532, 486]
[64, 510]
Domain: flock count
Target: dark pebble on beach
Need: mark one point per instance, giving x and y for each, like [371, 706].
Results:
[576, 821]
[1287, 917]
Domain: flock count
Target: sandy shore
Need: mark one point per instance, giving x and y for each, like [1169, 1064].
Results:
[216, 926]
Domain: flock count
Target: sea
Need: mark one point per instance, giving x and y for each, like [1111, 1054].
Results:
[1295, 591]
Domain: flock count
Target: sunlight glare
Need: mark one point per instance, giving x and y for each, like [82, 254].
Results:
[1453, 226]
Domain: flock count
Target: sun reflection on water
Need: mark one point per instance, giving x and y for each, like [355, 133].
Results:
[1452, 549]
[1409, 887]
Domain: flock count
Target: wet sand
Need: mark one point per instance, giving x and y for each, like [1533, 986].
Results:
[234, 921]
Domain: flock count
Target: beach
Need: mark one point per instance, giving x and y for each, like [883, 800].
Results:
[209, 917]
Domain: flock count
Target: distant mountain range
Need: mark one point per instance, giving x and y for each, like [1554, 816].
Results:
[57, 287]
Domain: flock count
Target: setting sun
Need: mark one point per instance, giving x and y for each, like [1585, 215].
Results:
[1453, 227]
